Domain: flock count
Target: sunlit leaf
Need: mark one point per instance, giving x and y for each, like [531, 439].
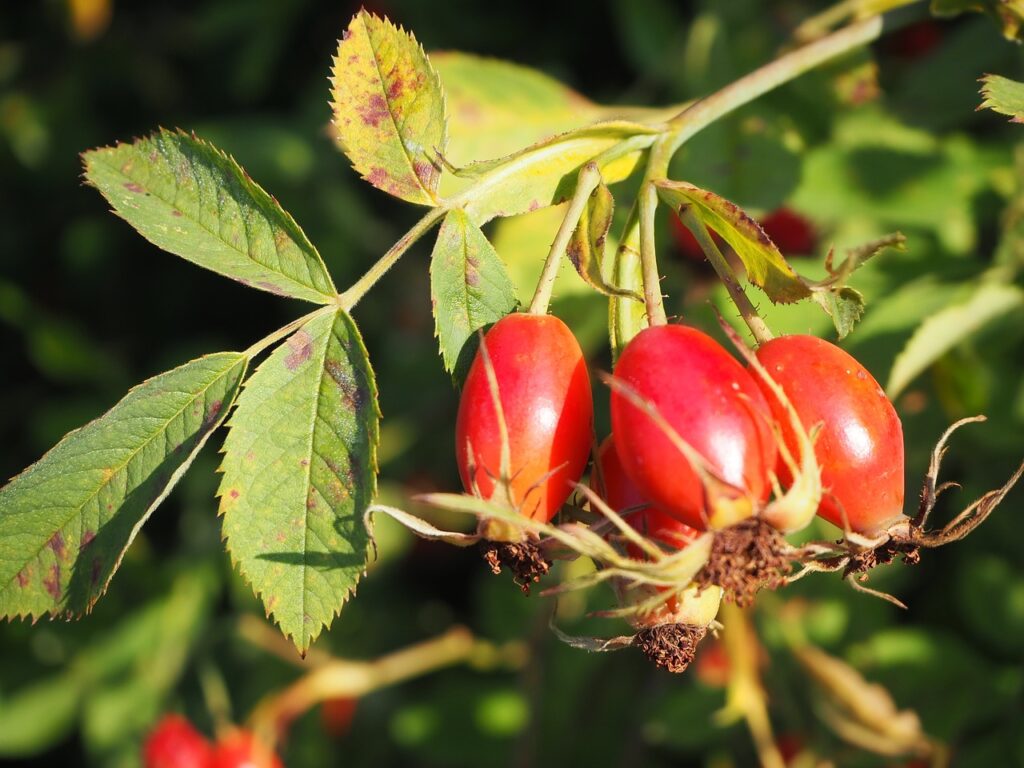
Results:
[950, 326]
[389, 112]
[300, 469]
[545, 174]
[1004, 96]
[66, 521]
[189, 198]
[766, 267]
[497, 107]
[469, 286]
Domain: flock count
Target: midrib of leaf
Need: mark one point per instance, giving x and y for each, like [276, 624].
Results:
[314, 411]
[248, 253]
[391, 111]
[177, 473]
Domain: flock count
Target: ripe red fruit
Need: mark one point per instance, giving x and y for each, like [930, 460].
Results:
[545, 396]
[790, 231]
[860, 445]
[241, 749]
[621, 494]
[711, 401]
[174, 743]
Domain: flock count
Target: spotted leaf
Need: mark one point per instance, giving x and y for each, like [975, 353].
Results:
[300, 471]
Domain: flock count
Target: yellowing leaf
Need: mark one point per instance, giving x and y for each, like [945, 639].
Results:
[766, 267]
[388, 108]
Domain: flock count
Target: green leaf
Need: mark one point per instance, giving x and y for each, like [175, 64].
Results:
[186, 196]
[1004, 96]
[469, 286]
[66, 521]
[766, 267]
[39, 715]
[496, 107]
[388, 108]
[844, 304]
[1009, 14]
[545, 174]
[300, 469]
[948, 327]
[586, 249]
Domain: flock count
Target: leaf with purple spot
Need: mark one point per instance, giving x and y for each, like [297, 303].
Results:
[189, 198]
[389, 113]
[469, 287]
[300, 469]
[66, 521]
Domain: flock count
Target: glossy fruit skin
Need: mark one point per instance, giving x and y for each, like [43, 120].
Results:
[860, 446]
[621, 494]
[241, 749]
[711, 402]
[545, 395]
[174, 743]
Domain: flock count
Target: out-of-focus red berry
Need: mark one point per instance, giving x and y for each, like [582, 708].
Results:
[174, 743]
[790, 231]
[915, 41]
[336, 715]
[241, 749]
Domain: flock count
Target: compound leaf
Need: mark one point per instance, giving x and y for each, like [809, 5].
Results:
[469, 285]
[66, 521]
[389, 113]
[186, 196]
[300, 470]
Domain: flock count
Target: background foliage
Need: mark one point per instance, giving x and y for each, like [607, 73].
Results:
[882, 141]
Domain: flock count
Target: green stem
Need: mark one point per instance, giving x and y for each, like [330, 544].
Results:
[648, 258]
[785, 68]
[351, 297]
[725, 272]
[626, 317]
[589, 178]
[286, 330]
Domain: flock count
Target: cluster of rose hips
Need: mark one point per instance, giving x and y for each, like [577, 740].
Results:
[175, 743]
[706, 455]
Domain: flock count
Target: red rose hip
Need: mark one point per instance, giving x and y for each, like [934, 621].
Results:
[860, 445]
[174, 743]
[712, 402]
[621, 494]
[545, 396]
[242, 749]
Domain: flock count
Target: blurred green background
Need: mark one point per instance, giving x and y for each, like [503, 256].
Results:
[885, 140]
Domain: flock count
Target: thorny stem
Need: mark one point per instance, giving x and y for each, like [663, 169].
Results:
[351, 297]
[589, 178]
[625, 319]
[648, 258]
[745, 696]
[725, 272]
[341, 678]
